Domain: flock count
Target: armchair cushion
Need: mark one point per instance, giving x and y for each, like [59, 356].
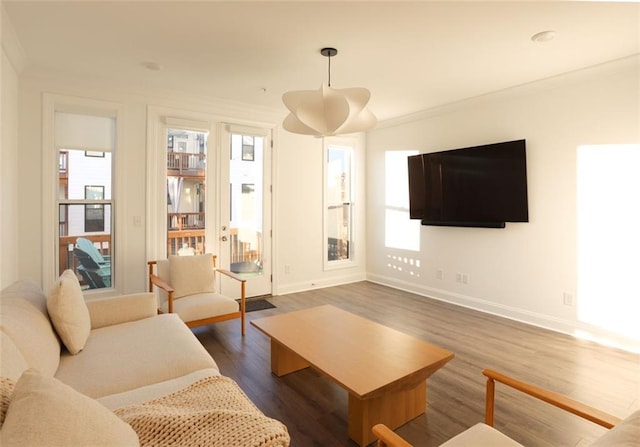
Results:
[192, 274]
[202, 305]
[44, 411]
[481, 434]
[624, 434]
[68, 311]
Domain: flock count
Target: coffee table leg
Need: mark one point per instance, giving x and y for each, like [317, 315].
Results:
[284, 360]
[392, 409]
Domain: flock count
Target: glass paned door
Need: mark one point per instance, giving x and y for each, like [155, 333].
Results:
[186, 180]
[245, 219]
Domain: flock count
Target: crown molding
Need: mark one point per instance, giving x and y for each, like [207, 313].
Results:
[599, 70]
[11, 45]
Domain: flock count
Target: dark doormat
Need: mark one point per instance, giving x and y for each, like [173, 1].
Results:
[258, 304]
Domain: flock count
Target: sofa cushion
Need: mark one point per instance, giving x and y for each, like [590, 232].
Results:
[107, 311]
[125, 356]
[12, 362]
[68, 311]
[624, 434]
[44, 411]
[155, 391]
[24, 318]
[192, 274]
[30, 291]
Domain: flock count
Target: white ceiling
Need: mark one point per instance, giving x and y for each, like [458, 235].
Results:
[411, 55]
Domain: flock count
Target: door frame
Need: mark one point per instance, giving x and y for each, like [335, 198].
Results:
[158, 119]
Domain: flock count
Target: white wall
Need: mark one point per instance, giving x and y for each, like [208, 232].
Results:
[299, 217]
[297, 181]
[8, 174]
[523, 271]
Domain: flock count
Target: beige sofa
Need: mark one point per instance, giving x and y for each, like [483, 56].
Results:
[114, 372]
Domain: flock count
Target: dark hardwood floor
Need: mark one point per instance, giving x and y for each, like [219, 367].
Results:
[314, 409]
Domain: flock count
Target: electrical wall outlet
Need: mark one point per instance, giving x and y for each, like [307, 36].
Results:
[567, 299]
[462, 278]
[440, 274]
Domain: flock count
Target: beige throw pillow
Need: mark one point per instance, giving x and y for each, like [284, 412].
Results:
[44, 411]
[191, 274]
[68, 312]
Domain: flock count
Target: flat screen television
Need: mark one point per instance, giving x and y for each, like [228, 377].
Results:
[480, 186]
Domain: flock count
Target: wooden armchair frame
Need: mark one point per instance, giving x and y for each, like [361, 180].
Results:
[388, 438]
[557, 400]
[160, 283]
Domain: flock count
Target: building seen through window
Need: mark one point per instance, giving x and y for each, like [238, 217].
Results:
[84, 216]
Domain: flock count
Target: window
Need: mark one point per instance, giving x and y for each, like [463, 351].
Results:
[608, 239]
[400, 231]
[93, 213]
[338, 205]
[84, 146]
[401, 234]
[248, 148]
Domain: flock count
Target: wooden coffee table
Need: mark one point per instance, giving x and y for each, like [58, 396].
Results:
[383, 370]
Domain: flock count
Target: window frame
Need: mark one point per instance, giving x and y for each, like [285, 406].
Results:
[51, 104]
[349, 146]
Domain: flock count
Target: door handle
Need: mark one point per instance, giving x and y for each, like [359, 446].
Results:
[223, 238]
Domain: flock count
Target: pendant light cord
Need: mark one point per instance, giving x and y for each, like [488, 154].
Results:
[329, 52]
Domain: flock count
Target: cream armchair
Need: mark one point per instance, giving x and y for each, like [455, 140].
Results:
[187, 287]
[624, 432]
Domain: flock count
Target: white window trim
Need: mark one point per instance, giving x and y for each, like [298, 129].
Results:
[349, 144]
[52, 103]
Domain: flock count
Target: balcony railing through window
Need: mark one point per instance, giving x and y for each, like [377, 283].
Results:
[185, 221]
[185, 164]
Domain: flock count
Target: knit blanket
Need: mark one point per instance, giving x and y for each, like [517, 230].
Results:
[212, 412]
[6, 390]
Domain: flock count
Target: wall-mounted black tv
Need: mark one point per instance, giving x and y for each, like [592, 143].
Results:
[480, 186]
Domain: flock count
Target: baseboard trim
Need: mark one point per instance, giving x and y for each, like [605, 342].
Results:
[573, 328]
[320, 284]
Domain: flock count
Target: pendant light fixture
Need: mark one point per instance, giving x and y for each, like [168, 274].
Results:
[328, 111]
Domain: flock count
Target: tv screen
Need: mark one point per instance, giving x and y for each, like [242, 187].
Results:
[480, 186]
